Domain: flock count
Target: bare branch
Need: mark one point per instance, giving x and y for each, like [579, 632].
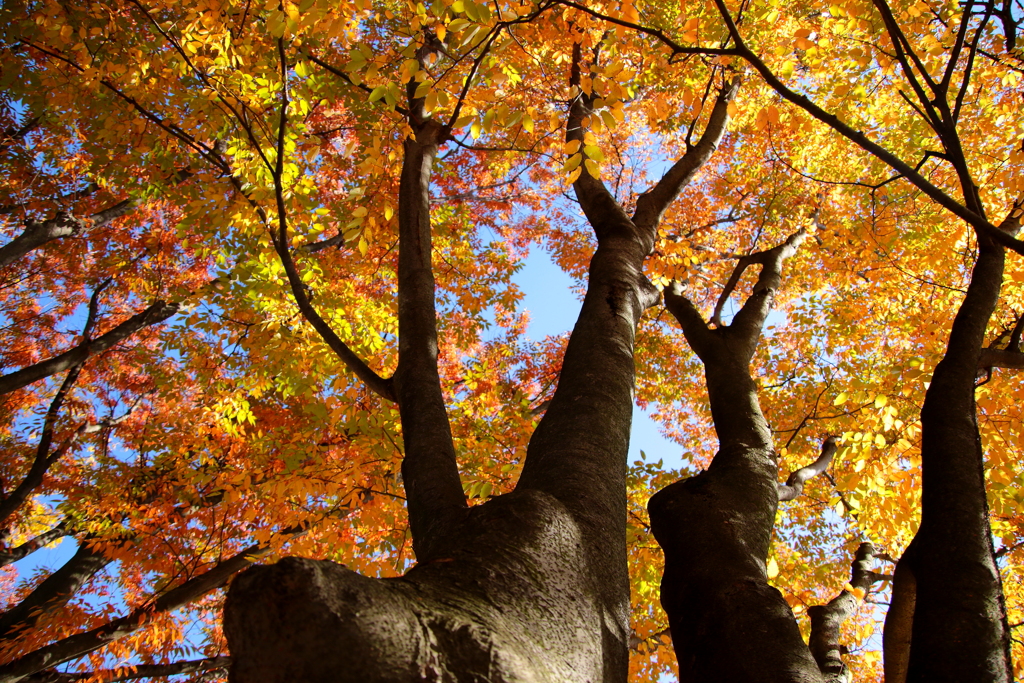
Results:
[826, 620]
[154, 314]
[794, 485]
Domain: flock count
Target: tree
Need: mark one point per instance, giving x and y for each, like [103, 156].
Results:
[275, 177]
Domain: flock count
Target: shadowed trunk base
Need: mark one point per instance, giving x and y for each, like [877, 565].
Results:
[510, 600]
[728, 624]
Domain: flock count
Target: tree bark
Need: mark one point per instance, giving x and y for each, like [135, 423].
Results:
[826, 620]
[531, 585]
[715, 528]
[959, 631]
[528, 586]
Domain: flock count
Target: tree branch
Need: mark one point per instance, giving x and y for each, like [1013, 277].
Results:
[153, 315]
[135, 672]
[13, 135]
[80, 644]
[652, 204]
[64, 224]
[44, 459]
[794, 485]
[751, 316]
[89, 189]
[676, 48]
[53, 592]
[999, 358]
[429, 469]
[977, 221]
[11, 555]
[352, 361]
[603, 213]
[826, 620]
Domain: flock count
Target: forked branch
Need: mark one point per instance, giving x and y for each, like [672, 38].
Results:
[771, 274]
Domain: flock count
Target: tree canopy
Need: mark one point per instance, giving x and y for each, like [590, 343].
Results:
[256, 285]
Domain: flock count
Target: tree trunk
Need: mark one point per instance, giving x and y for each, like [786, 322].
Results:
[959, 626]
[727, 623]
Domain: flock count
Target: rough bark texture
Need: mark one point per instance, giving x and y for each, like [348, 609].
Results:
[531, 585]
[959, 627]
[727, 623]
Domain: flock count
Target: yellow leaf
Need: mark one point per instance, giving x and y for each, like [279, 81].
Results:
[773, 568]
[572, 163]
[840, 399]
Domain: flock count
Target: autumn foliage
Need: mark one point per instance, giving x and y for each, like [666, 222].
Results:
[199, 264]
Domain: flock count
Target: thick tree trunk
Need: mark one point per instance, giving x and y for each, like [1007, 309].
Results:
[511, 596]
[531, 585]
[727, 623]
[959, 625]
